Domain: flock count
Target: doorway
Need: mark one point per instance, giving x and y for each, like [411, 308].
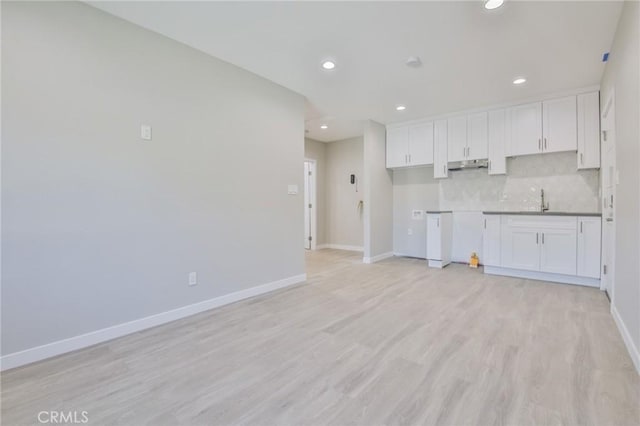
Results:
[310, 216]
[608, 177]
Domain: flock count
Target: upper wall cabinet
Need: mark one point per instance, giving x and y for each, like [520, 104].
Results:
[499, 131]
[457, 138]
[559, 130]
[440, 149]
[589, 130]
[410, 146]
[526, 129]
[477, 136]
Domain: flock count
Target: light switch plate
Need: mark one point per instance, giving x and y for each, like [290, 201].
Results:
[193, 278]
[145, 132]
[292, 189]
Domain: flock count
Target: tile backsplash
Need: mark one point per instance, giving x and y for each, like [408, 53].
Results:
[565, 187]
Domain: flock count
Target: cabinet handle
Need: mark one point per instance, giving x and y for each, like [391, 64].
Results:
[438, 222]
[611, 204]
[543, 238]
[444, 169]
[409, 158]
[485, 224]
[582, 159]
[536, 238]
[468, 151]
[464, 152]
[581, 227]
[545, 146]
[539, 144]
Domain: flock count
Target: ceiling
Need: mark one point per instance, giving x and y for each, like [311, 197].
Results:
[470, 55]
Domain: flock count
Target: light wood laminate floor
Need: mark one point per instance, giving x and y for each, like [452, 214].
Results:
[389, 343]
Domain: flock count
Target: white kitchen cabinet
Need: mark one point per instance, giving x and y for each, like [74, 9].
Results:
[589, 131]
[558, 249]
[457, 138]
[440, 149]
[498, 131]
[526, 129]
[520, 247]
[589, 244]
[397, 147]
[439, 238]
[559, 128]
[421, 144]
[491, 241]
[477, 136]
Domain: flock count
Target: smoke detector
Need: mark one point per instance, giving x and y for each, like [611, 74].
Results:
[414, 62]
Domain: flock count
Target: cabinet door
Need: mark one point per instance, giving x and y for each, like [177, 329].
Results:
[457, 138]
[496, 144]
[397, 147]
[440, 149]
[477, 136]
[559, 125]
[526, 129]
[421, 144]
[589, 233]
[520, 247]
[434, 237]
[491, 241]
[559, 252]
[589, 131]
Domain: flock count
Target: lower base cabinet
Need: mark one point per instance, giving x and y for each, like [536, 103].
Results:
[439, 238]
[558, 247]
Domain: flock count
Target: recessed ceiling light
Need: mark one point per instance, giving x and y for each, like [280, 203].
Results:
[401, 108]
[324, 126]
[328, 65]
[519, 80]
[493, 4]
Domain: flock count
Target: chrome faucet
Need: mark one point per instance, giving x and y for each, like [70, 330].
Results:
[543, 207]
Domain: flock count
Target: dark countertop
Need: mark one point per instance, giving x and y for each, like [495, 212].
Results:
[527, 213]
[438, 211]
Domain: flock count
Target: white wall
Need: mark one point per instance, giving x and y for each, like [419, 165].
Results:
[315, 150]
[378, 201]
[100, 227]
[344, 226]
[413, 189]
[622, 74]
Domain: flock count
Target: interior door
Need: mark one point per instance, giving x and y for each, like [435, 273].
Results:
[608, 191]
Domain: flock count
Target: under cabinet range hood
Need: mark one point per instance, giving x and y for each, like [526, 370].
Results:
[468, 165]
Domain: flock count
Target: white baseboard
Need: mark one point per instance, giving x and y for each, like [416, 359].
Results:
[340, 247]
[377, 258]
[397, 254]
[542, 276]
[49, 350]
[626, 337]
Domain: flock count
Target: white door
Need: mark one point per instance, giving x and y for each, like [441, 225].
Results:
[526, 129]
[477, 136]
[559, 125]
[457, 138]
[497, 138]
[608, 180]
[440, 149]
[310, 205]
[397, 147]
[434, 237]
[491, 241]
[421, 144]
[558, 250]
[520, 248]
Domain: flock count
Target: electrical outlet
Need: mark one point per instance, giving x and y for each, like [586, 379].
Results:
[409, 231]
[145, 132]
[193, 278]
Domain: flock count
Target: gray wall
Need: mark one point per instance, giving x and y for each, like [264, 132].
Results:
[622, 73]
[378, 201]
[314, 150]
[100, 227]
[343, 217]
